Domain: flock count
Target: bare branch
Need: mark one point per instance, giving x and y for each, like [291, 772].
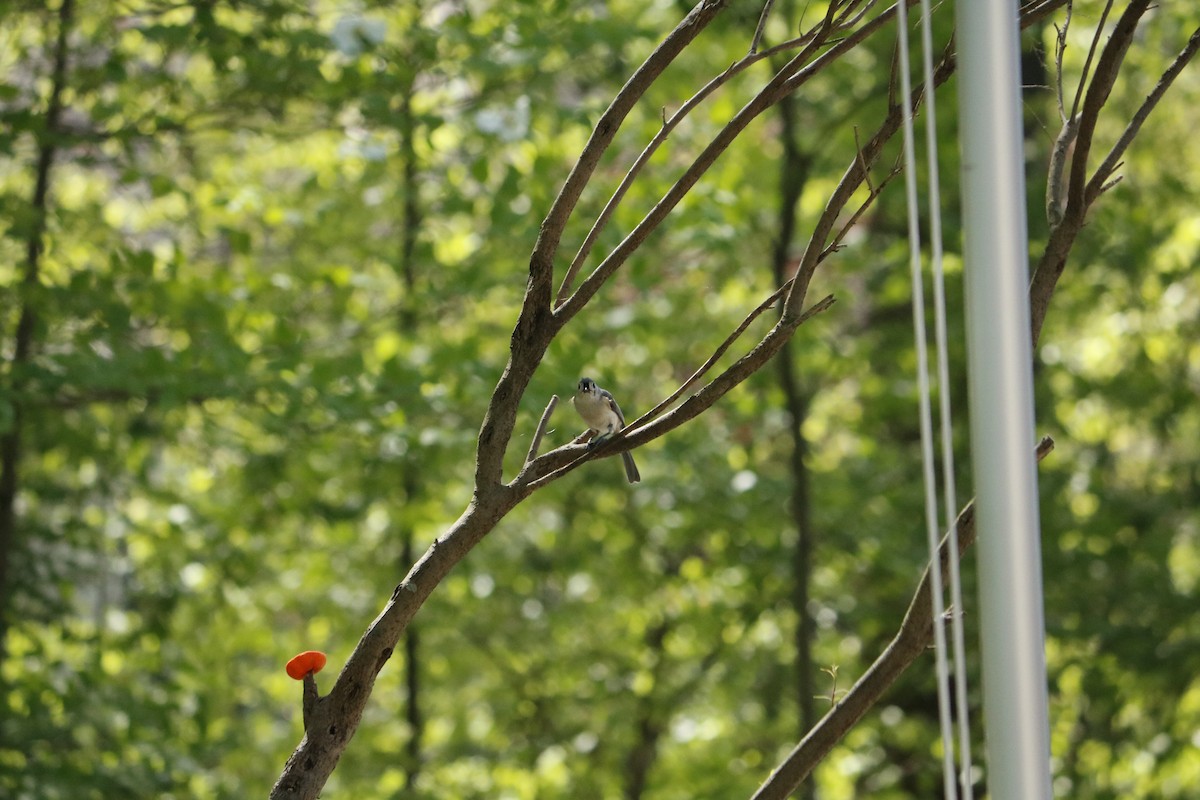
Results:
[536, 444]
[852, 179]
[822, 305]
[1062, 237]
[309, 698]
[784, 82]
[1107, 67]
[541, 263]
[1083, 78]
[1109, 185]
[1056, 191]
[911, 640]
[866, 168]
[762, 24]
[669, 124]
[1060, 48]
[812, 41]
[852, 16]
[874, 192]
[1097, 184]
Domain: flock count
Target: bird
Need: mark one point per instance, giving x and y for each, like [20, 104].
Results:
[603, 416]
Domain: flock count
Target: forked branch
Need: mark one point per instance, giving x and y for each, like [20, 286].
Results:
[1101, 178]
[798, 70]
[1081, 189]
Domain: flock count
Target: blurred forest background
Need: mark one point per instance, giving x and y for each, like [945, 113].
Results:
[260, 264]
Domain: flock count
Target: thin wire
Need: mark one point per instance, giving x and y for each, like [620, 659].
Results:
[949, 491]
[932, 528]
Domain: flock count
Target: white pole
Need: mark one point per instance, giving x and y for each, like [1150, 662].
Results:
[1001, 402]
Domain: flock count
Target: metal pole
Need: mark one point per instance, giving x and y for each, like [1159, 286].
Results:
[1001, 402]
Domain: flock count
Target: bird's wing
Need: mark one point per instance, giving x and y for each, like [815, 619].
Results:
[612, 403]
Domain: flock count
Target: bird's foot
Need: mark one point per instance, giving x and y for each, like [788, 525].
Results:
[598, 440]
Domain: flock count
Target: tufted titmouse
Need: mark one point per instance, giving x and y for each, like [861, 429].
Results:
[603, 417]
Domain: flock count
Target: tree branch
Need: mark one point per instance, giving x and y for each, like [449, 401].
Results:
[762, 24]
[1060, 47]
[1063, 235]
[1111, 162]
[911, 640]
[788, 79]
[822, 305]
[664, 132]
[536, 324]
[1087, 62]
[541, 264]
[338, 714]
[536, 444]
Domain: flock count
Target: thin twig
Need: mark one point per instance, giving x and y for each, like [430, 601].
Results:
[536, 444]
[1087, 64]
[836, 242]
[1056, 189]
[845, 22]
[894, 80]
[1059, 49]
[866, 168]
[762, 24]
[1110, 184]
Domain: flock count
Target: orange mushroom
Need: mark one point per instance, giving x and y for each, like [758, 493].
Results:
[307, 663]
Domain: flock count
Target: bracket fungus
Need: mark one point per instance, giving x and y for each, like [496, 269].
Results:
[310, 662]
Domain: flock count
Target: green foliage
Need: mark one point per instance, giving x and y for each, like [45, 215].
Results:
[256, 377]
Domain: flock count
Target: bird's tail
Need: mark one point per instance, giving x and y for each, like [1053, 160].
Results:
[631, 470]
